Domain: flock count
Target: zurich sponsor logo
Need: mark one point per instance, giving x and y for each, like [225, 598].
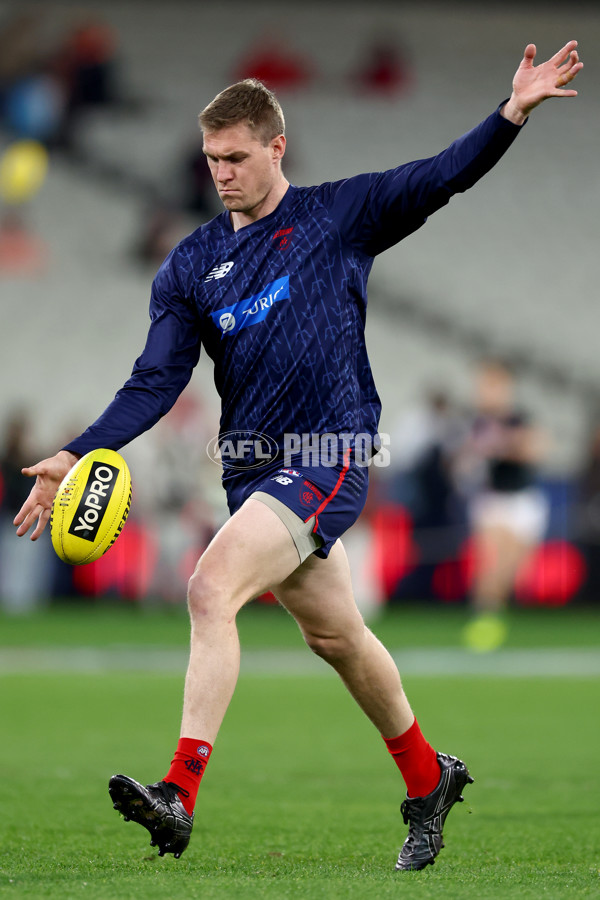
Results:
[227, 322]
[253, 309]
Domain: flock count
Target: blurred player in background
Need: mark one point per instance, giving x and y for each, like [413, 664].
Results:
[508, 512]
[588, 518]
[275, 290]
[24, 577]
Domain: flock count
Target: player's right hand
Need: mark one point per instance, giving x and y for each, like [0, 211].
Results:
[48, 475]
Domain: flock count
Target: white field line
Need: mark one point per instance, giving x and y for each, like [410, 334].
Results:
[508, 663]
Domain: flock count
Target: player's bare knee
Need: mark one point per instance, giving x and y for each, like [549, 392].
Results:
[334, 647]
[208, 598]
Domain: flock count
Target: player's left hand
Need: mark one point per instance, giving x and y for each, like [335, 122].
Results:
[534, 84]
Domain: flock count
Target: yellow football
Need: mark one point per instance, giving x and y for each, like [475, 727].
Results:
[90, 507]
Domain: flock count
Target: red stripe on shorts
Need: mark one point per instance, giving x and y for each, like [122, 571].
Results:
[338, 485]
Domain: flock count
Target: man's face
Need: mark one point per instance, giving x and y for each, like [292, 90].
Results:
[494, 388]
[244, 171]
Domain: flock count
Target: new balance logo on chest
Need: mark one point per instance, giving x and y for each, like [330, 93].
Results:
[220, 271]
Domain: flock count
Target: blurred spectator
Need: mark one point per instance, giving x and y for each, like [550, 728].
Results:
[385, 69]
[182, 481]
[198, 192]
[32, 101]
[86, 67]
[24, 568]
[275, 63]
[161, 228]
[44, 88]
[86, 62]
[424, 440]
[23, 170]
[16, 452]
[508, 513]
[164, 221]
[35, 107]
[20, 47]
[589, 515]
[22, 253]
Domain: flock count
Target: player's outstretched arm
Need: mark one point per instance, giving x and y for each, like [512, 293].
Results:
[48, 475]
[534, 84]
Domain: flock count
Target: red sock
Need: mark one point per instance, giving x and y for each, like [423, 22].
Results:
[416, 760]
[187, 769]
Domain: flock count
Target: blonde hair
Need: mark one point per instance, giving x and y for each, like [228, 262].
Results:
[248, 101]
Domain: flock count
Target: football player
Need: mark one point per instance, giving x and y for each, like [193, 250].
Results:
[274, 289]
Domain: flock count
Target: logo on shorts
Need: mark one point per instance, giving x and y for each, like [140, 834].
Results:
[308, 492]
[282, 479]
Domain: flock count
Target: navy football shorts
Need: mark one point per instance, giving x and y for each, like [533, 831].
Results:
[329, 499]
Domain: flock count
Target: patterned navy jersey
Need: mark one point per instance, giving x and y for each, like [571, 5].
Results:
[280, 305]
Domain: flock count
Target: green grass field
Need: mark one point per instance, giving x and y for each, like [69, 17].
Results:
[300, 799]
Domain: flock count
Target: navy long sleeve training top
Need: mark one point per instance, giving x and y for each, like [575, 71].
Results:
[280, 304]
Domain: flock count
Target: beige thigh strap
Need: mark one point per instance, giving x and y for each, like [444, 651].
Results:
[306, 542]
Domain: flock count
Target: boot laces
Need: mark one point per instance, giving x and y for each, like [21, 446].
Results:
[181, 791]
[412, 812]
